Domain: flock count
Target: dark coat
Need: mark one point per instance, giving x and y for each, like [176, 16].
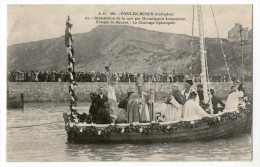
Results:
[99, 103]
[215, 101]
[93, 111]
[179, 97]
[103, 116]
[201, 97]
[123, 103]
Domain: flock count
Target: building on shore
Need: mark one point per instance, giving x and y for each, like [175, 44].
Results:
[238, 33]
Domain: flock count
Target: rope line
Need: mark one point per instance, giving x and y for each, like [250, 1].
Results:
[220, 43]
[192, 34]
[32, 125]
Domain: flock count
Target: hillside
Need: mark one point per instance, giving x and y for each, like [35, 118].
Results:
[128, 49]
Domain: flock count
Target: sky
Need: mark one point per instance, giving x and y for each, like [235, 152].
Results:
[26, 23]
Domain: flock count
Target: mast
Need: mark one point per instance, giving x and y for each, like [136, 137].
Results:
[202, 56]
[242, 54]
[71, 67]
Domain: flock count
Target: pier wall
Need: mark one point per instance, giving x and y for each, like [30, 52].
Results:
[58, 92]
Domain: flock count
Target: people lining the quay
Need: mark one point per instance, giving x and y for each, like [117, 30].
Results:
[92, 76]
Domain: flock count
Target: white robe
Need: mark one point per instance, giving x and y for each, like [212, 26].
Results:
[192, 111]
[232, 101]
[171, 111]
[197, 100]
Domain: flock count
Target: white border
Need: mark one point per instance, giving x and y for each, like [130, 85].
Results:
[256, 62]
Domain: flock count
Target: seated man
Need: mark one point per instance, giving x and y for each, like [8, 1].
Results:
[192, 110]
[103, 115]
[233, 99]
[215, 101]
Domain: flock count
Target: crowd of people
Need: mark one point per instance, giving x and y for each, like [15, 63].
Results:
[61, 76]
[188, 104]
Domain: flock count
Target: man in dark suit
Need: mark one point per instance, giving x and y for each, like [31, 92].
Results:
[103, 115]
[215, 101]
[100, 99]
[92, 108]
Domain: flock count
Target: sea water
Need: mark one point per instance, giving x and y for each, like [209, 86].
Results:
[37, 133]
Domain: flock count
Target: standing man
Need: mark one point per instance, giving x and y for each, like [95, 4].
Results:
[100, 100]
[200, 93]
[139, 83]
[92, 108]
[215, 101]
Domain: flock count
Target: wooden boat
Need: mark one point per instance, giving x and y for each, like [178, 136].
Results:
[224, 125]
[15, 102]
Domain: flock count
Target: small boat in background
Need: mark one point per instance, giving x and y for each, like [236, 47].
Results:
[15, 102]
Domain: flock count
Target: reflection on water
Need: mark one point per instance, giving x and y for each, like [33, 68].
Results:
[48, 142]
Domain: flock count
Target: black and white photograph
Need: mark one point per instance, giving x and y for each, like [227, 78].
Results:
[129, 82]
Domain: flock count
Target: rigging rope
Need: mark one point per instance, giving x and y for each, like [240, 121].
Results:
[224, 56]
[192, 47]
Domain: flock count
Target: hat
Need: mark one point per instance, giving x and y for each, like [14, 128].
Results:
[200, 86]
[129, 93]
[107, 68]
[189, 82]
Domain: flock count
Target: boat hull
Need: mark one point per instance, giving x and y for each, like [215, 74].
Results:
[15, 103]
[204, 131]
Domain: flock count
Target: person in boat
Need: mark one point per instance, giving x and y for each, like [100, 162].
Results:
[170, 109]
[133, 108]
[100, 100]
[103, 115]
[110, 85]
[177, 95]
[200, 93]
[201, 96]
[187, 91]
[92, 108]
[120, 113]
[233, 99]
[123, 103]
[192, 110]
[137, 108]
[139, 83]
[215, 101]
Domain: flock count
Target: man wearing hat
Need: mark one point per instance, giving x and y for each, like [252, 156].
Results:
[187, 91]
